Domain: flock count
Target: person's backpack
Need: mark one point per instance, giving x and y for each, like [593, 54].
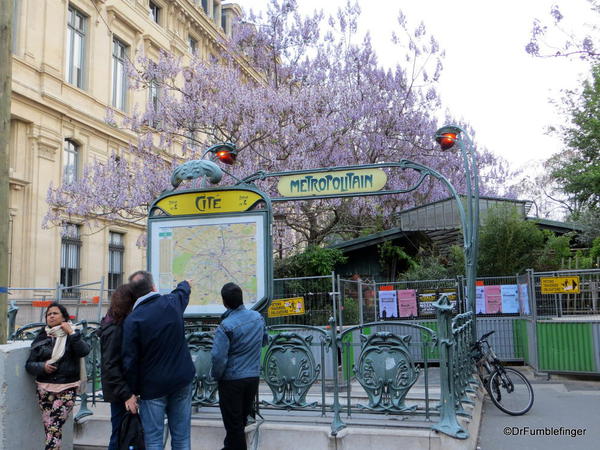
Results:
[131, 434]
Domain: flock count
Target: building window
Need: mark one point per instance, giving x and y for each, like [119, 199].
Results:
[76, 30]
[205, 6]
[70, 258]
[116, 249]
[193, 45]
[119, 93]
[224, 20]
[154, 12]
[70, 162]
[153, 100]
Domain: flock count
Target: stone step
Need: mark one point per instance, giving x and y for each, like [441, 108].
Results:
[301, 430]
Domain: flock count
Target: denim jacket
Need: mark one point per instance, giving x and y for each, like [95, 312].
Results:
[237, 345]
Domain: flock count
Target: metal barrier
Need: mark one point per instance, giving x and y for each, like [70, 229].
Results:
[87, 301]
[558, 305]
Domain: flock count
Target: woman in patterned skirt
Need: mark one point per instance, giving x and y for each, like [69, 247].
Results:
[57, 361]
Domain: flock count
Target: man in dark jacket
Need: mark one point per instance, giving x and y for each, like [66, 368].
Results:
[157, 362]
[236, 364]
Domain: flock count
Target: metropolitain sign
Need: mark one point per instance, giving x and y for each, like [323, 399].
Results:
[350, 181]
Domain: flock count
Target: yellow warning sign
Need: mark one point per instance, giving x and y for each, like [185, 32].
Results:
[560, 285]
[286, 307]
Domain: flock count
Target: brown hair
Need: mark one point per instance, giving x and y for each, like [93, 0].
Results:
[121, 303]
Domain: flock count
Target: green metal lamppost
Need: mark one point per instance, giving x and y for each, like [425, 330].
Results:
[447, 137]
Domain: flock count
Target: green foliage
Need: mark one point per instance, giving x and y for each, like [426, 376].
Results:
[391, 257]
[507, 243]
[429, 267]
[583, 260]
[456, 261]
[556, 249]
[577, 168]
[595, 250]
[351, 313]
[312, 262]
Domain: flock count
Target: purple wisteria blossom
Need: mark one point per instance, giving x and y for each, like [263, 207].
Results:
[559, 40]
[292, 92]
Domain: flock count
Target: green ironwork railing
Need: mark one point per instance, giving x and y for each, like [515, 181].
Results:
[364, 369]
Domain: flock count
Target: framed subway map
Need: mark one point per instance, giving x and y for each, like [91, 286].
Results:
[211, 251]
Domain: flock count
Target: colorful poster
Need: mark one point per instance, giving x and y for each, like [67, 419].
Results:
[524, 299]
[479, 300]
[388, 304]
[407, 302]
[426, 299]
[493, 299]
[510, 299]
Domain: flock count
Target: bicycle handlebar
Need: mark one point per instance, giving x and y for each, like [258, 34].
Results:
[486, 335]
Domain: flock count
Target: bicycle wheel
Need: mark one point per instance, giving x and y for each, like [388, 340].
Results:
[510, 391]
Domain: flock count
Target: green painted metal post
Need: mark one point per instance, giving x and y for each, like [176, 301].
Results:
[448, 423]
[84, 411]
[337, 423]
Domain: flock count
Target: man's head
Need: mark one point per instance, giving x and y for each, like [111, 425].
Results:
[141, 283]
[232, 295]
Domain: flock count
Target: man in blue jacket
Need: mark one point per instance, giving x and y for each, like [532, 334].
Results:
[157, 362]
[236, 364]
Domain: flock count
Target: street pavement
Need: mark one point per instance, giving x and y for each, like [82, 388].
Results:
[572, 403]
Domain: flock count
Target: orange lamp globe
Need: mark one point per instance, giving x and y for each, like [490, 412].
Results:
[446, 140]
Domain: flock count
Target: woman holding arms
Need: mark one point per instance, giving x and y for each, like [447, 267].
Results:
[57, 361]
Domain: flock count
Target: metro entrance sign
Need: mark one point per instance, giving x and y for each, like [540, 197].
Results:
[350, 181]
[212, 236]
[217, 235]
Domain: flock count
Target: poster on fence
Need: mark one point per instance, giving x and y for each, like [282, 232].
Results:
[493, 299]
[388, 304]
[426, 299]
[407, 302]
[510, 299]
[524, 299]
[452, 296]
[479, 300]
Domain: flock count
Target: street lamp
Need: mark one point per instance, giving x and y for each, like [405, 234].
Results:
[225, 152]
[447, 137]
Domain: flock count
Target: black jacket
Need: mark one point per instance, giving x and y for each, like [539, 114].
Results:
[114, 386]
[67, 367]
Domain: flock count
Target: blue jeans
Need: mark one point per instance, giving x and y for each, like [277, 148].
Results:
[117, 412]
[178, 408]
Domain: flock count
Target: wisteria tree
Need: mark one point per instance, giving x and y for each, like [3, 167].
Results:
[317, 96]
[551, 37]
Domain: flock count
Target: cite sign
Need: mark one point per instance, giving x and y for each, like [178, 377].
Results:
[208, 202]
[334, 182]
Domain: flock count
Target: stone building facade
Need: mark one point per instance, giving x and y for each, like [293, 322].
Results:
[68, 67]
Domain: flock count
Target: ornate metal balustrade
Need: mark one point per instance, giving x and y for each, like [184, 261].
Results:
[461, 360]
[290, 368]
[371, 368]
[205, 386]
[386, 367]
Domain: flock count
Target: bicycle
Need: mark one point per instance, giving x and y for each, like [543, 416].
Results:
[508, 388]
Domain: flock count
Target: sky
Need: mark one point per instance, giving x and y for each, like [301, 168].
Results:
[488, 79]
